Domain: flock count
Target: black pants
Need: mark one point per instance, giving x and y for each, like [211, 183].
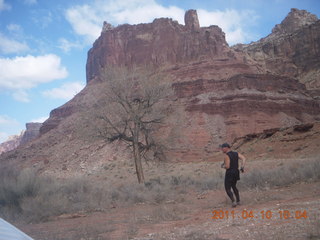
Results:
[230, 181]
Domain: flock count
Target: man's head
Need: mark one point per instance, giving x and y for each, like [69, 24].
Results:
[225, 147]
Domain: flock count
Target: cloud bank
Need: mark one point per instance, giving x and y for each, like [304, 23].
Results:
[8, 46]
[29, 71]
[19, 74]
[65, 92]
[86, 20]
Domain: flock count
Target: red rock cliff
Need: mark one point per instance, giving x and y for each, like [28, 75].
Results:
[221, 93]
[292, 49]
[163, 41]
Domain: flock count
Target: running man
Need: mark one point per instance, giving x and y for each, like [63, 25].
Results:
[231, 164]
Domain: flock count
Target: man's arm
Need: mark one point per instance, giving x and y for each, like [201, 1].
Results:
[243, 160]
[226, 162]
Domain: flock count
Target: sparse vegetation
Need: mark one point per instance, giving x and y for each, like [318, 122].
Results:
[284, 175]
[35, 198]
[32, 198]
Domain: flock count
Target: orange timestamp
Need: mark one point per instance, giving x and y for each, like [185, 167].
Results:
[268, 214]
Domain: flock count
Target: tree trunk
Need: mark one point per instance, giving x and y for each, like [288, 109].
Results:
[137, 155]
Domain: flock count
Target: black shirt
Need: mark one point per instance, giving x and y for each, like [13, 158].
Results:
[234, 160]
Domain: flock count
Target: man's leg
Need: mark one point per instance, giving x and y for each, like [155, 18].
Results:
[227, 185]
[235, 190]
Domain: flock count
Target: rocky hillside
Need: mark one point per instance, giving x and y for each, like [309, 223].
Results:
[292, 49]
[221, 93]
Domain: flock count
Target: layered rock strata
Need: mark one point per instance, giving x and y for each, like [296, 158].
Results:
[292, 49]
[163, 41]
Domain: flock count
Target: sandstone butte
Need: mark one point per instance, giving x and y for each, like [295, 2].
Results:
[221, 92]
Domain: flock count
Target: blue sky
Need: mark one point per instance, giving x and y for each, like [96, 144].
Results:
[44, 43]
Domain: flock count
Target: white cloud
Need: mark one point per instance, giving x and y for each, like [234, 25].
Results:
[42, 17]
[14, 27]
[148, 13]
[231, 21]
[66, 45]
[29, 71]
[21, 95]
[8, 127]
[66, 91]
[39, 120]
[4, 6]
[8, 45]
[86, 20]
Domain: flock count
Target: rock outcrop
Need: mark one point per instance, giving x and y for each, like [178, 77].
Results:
[292, 49]
[296, 20]
[163, 41]
[56, 116]
[32, 132]
[223, 92]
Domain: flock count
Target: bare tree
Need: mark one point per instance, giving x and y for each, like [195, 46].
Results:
[133, 107]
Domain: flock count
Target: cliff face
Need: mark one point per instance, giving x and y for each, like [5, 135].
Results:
[32, 132]
[211, 111]
[292, 49]
[221, 93]
[163, 41]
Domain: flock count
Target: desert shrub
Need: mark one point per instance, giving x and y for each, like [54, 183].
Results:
[26, 196]
[283, 176]
[153, 182]
[132, 193]
[14, 187]
[211, 183]
[35, 198]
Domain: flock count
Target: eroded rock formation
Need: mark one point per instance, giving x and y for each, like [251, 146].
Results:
[292, 49]
[163, 41]
[32, 132]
